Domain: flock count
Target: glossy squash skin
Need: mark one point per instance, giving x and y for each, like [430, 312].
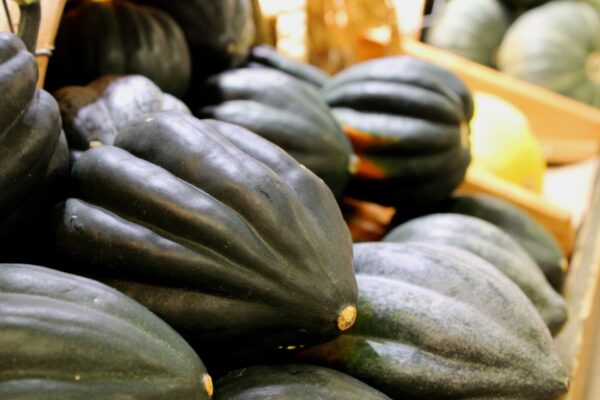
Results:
[556, 46]
[96, 112]
[438, 322]
[529, 233]
[493, 245]
[70, 338]
[472, 29]
[285, 111]
[267, 56]
[408, 123]
[32, 159]
[220, 33]
[293, 382]
[119, 37]
[220, 233]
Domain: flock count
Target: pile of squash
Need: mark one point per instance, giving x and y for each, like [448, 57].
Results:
[554, 44]
[178, 249]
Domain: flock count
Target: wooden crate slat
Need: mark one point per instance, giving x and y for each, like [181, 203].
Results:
[582, 293]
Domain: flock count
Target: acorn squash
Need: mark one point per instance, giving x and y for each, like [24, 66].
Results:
[493, 245]
[220, 33]
[407, 120]
[440, 323]
[530, 234]
[266, 56]
[32, 158]
[556, 46]
[96, 112]
[217, 231]
[98, 38]
[472, 29]
[66, 337]
[293, 382]
[286, 112]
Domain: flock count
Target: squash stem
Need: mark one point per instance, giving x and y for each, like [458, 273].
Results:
[29, 22]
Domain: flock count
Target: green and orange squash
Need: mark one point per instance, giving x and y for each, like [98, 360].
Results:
[556, 46]
[67, 337]
[493, 245]
[94, 113]
[33, 157]
[292, 382]
[287, 112]
[265, 56]
[219, 232]
[472, 29]
[97, 38]
[437, 322]
[407, 120]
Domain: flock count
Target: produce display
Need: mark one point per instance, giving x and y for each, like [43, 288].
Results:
[99, 38]
[178, 249]
[493, 245]
[293, 382]
[94, 113]
[438, 322]
[408, 123]
[287, 112]
[71, 338]
[472, 29]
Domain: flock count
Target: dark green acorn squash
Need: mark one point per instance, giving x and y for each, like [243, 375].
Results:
[529, 233]
[440, 323]
[32, 158]
[408, 122]
[293, 382]
[267, 56]
[96, 112]
[64, 337]
[217, 231]
[493, 245]
[556, 46]
[520, 5]
[98, 38]
[473, 29]
[286, 112]
[220, 33]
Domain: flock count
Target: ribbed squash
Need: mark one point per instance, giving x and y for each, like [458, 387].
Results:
[32, 157]
[408, 123]
[473, 29]
[64, 337]
[98, 38]
[529, 233]
[96, 112]
[216, 230]
[556, 46]
[220, 33]
[440, 323]
[267, 56]
[493, 245]
[286, 112]
[293, 382]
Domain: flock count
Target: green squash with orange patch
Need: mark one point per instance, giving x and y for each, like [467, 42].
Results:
[407, 120]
